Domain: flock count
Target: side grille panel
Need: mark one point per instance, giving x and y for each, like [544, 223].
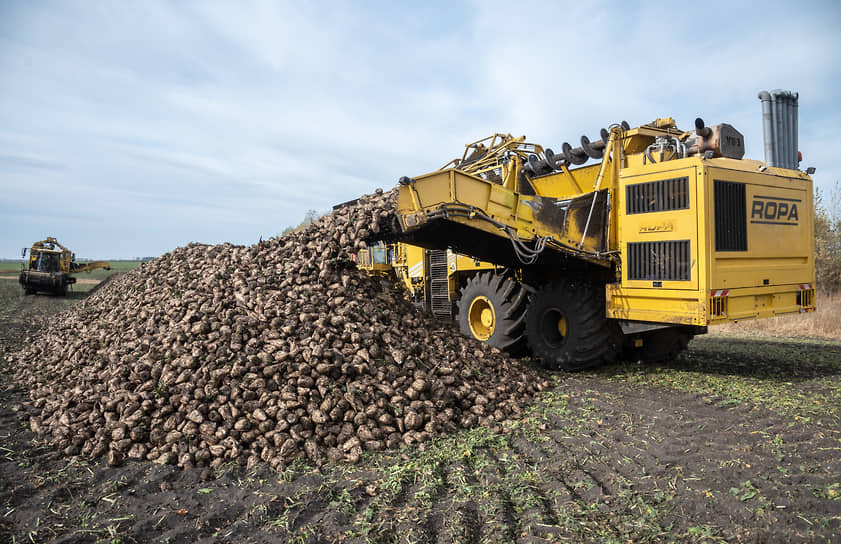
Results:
[658, 196]
[660, 261]
[731, 222]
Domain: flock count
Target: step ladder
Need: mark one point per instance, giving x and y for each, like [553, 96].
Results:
[439, 289]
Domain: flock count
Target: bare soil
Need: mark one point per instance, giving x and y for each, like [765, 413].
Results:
[626, 453]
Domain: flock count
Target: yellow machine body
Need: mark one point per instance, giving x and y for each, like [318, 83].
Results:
[691, 239]
[760, 265]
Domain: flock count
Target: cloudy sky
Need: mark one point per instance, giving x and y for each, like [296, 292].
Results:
[130, 128]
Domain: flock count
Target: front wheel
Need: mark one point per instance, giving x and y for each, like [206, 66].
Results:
[492, 309]
[566, 327]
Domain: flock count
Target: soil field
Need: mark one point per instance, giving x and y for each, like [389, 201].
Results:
[739, 439]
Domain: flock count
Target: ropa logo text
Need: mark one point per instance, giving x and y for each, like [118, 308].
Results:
[774, 211]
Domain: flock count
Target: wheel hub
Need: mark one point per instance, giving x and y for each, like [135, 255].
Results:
[481, 318]
[554, 327]
[562, 325]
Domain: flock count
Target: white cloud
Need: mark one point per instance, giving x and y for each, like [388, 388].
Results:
[218, 121]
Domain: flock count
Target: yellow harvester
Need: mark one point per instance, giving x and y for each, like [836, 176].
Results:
[669, 231]
[50, 268]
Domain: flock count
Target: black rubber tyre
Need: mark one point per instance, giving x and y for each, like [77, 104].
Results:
[566, 327]
[660, 345]
[498, 308]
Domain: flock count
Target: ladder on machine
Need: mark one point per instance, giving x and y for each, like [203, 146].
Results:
[439, 289]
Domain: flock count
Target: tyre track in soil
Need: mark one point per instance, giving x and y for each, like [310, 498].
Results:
[544, 497]
[696, 446]
[589, 490]
[460, 520]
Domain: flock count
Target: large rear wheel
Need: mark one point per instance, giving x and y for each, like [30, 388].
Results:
[566, 327]
[492, 309]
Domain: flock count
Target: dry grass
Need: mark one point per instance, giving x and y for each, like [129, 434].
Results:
[823, 323]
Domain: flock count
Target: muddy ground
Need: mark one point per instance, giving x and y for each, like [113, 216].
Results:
[736, 440]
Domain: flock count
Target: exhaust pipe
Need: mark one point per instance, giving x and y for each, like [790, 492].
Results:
[779, 128]
[796, 147]
[767, 128]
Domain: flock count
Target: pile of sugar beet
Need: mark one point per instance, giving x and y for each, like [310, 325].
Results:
[228, 354]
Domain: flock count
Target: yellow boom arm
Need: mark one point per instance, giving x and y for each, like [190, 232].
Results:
[87, 267]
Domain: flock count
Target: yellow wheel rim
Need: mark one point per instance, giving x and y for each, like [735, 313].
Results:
[554, 327]
[562, 326]
[481, 318]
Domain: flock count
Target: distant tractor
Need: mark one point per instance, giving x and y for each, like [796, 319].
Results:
[50, 268]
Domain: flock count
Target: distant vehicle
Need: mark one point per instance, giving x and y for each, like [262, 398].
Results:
[51, 266]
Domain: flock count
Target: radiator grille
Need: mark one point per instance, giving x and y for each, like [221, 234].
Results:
[658, 196]
[668, 260]
[731, 223]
